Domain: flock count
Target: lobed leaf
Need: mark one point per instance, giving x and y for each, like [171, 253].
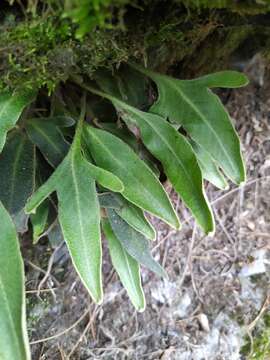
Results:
[141, 186]
[79, 212]
[126, 267]
[201, 113]
[105, 178]
[209, 169]
[178, 160]
[13, 331]
[79, 217]
[134, 243]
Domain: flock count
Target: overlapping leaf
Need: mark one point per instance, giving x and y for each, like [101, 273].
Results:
[134, 243]
[39, 220]
[126, 84]
[209, 169]
[177, 157]
[133, 215]
[79, 213]
[11, 107]
[141, 186]
[55, 235]
[201, 113]
[13, 332]
[17, 172]
[49, 139]
[127, 268]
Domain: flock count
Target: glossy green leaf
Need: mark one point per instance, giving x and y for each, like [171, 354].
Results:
[105, 178]
[133, 215]
[11, 107]
[209, 169]
[134, 243]
[49, 139]
[222, 79]
[178, 160]
[39, 220]
[79, 212]
[201, 113]
[17, 172]
[141, 186]
[126, 267]
[79, 217]
[13, 332]
[134, 143]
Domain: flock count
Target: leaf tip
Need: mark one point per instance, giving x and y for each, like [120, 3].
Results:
[141, 308]
[97, 297]
[164, 274]
[29, 210]
[119, 187]
[244, 80]
[100, 301]
[211, 233]
[177, 225]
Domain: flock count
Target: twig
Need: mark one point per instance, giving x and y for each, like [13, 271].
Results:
[84, 332]
[61, 332]
[265, 305]
[50, 264]
[189, 257]
[40, 291]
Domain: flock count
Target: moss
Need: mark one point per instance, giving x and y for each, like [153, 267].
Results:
[88, 14]
[224, 41]
[40, 47]
[260, 350]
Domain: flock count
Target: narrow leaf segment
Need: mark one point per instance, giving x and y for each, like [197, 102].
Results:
[13, 331]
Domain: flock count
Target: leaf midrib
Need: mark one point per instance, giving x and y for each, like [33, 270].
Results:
[77, 201]
[58, 150]
[171, 150]
[192, 105]
[122, 167]
[11, 320]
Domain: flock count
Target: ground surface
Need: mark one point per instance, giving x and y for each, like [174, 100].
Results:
[218, 286]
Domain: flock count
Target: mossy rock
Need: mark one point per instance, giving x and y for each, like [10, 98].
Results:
[40, 47]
